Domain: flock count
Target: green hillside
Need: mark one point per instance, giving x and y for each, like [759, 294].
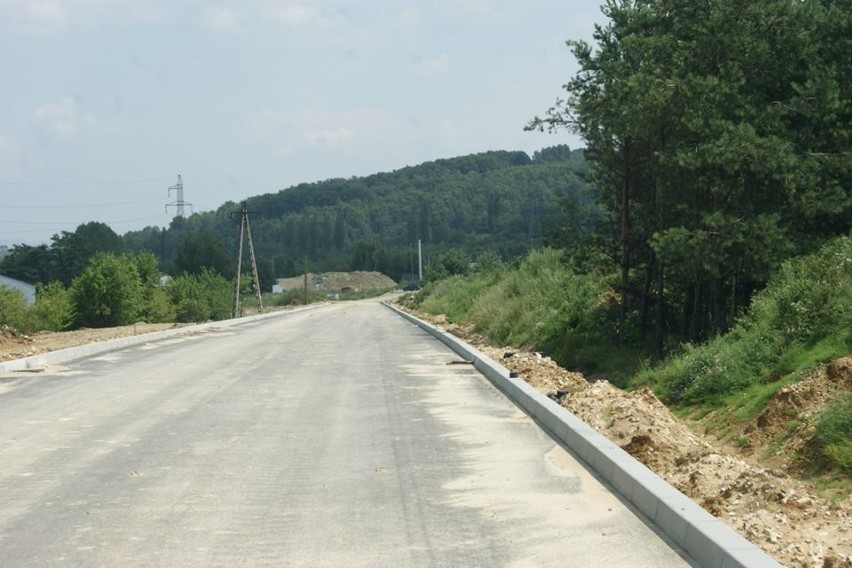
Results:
[505, 202]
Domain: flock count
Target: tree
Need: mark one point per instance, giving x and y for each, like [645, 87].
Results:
[706, 143]
[365, 257]
[71, 252]
[108, 292]
[28, 263]
[201, 251]
[155, 304]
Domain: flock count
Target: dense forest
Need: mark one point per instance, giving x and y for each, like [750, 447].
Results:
[720, 137]
[497, 201]
[505, 203]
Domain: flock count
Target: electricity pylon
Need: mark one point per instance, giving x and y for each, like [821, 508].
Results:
[179, 203]
[245, 229]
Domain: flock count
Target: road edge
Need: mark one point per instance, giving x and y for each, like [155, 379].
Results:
[40, 360]
[707, 540]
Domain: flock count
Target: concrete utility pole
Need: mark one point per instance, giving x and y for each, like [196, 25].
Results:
[245, 229]
[178, 203]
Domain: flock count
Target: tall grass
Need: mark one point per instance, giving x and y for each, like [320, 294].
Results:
[802, 318]
[834, 434]
[539, 304]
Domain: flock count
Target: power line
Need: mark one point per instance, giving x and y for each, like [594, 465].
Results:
[63, 223]
[113, 204]
[101, 182]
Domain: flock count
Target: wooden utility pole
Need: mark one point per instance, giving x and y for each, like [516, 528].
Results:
[306, 281]
[245, 230]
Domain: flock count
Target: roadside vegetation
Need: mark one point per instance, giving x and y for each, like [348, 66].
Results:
[801, 320]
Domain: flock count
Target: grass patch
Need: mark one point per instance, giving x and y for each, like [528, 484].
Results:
[747, 405]
[834, 434]
[834, 488]
[452, 297]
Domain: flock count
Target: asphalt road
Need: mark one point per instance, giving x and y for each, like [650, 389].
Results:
[339, 436]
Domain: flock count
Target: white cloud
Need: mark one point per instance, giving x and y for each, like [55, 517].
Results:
[311, 127]
[33, 16]
[303, 15]
[328, 136]
[431, 66]
[408, 17]
[62, 118]
[9, 150]
[220, 20]
[487, 12]
[45, 14]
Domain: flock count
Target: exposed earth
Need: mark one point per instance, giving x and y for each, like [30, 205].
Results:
[766, 499]
[339, 282]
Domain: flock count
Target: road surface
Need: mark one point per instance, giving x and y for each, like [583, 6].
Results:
[337, 436]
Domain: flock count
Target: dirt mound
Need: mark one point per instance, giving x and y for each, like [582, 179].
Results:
[782, 433]
[339, 281]
[765, 503]
[11, 337]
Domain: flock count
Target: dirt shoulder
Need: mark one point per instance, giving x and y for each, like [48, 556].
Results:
[14, 345]
[788, 517]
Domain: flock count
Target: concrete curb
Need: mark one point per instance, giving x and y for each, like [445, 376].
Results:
[707, 540]
[64, 355]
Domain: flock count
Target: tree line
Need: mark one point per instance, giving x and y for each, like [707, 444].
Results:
[484, 207]
[497, 201]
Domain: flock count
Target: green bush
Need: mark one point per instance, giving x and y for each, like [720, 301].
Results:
[834, 434]
[108, 292]
[53, 309]
[156, 306]
[201, 297]
[13, 308]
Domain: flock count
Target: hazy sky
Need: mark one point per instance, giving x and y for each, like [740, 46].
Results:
[104, 102]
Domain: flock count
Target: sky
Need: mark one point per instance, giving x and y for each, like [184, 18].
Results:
[103, 103]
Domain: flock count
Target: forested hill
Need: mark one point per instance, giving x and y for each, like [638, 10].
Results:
[496, 201]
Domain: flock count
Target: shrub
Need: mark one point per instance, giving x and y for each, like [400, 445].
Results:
[13, 308]
[108, 292]
[53, 309]
[200, 297]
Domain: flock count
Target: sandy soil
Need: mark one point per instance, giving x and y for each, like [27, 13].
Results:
[767, 499]
[14, 345]
[337, 281]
